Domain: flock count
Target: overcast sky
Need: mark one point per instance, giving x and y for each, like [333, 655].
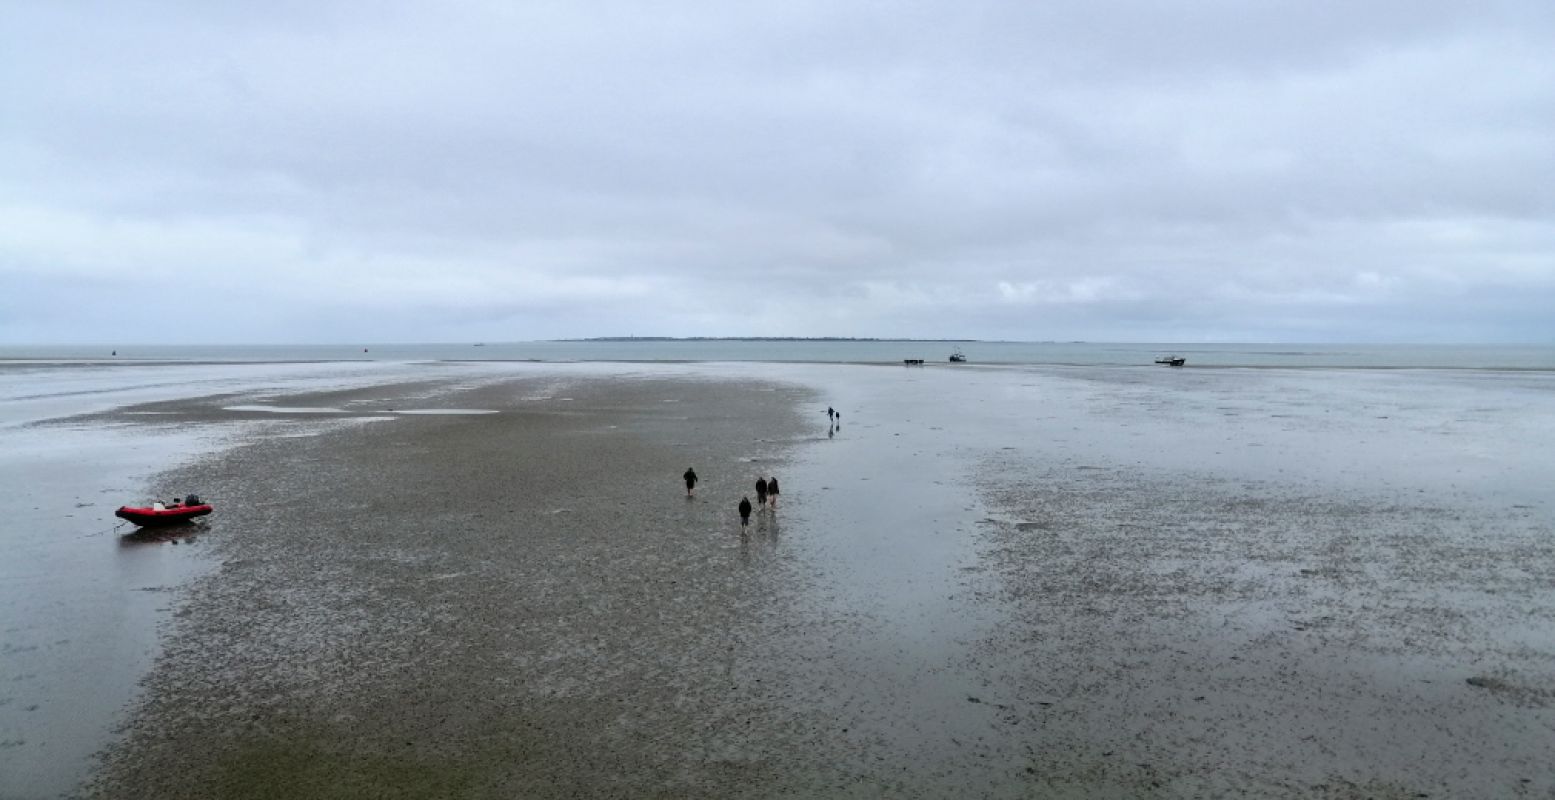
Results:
[1124, 170]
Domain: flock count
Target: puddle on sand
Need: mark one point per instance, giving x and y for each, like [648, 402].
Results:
[450, 411]
[286, 409]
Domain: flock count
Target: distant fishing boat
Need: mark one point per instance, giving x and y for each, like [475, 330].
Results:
[157, 514]
[1172, 361]
[957, 357]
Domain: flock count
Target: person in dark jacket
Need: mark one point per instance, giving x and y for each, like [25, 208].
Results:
[772, 491]
[691, 480]
[761, 492]
[745, 512]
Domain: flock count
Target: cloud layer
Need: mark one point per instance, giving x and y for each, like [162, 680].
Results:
[1123, 170]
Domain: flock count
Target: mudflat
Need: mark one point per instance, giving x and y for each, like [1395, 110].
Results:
[988, 583]
[521, 603]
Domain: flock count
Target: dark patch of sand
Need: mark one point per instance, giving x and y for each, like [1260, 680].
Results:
[521, 604]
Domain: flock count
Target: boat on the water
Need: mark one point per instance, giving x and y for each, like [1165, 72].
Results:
[957, 357]
[1172, 361]
[158, 513]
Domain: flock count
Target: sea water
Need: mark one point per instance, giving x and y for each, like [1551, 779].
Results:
[1332, 356]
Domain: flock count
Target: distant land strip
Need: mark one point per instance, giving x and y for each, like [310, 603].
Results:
[752, 339]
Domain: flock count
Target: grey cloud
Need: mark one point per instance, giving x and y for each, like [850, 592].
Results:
[1006, 170]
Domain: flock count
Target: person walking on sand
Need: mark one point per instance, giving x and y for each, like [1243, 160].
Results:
[761, 492]
[745, 512]
[691, 480]
[772, 491]
[830, 414]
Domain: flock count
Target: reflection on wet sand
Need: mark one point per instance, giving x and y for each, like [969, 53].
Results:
[166, 534]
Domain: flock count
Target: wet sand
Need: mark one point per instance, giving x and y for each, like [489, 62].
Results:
[1203, 637]
[511, 604]
[1085, 583]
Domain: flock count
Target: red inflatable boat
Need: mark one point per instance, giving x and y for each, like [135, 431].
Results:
[158, 514]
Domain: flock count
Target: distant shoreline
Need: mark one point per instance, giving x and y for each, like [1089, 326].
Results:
[754, 339]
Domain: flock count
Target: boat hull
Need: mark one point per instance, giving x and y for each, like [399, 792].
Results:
[155, 517]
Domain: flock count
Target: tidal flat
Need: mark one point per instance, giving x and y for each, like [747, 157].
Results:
[989, 582]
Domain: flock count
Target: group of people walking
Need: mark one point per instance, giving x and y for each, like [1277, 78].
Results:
[767, 491]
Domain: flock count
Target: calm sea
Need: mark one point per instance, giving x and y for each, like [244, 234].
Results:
[1372, 356]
